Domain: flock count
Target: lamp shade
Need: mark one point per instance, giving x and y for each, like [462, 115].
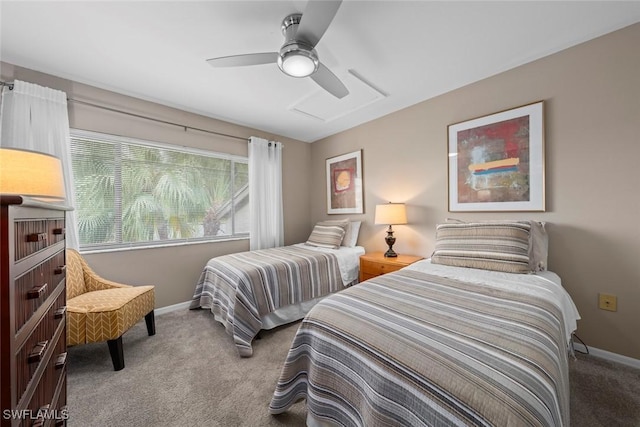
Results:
[391, 214]
[29, 173]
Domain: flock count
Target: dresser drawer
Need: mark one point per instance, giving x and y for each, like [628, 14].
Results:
[43, 346]
[47, 408]
[35, 235]
[51, 393]
[34, 287]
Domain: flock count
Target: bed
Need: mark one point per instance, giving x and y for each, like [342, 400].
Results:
[266, 288]
[437, 344]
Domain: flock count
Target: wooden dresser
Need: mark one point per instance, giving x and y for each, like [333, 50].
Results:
[33, 342]
[375, 263]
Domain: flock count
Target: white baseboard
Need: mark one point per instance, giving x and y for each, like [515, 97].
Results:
[607, 355]
[175, 307]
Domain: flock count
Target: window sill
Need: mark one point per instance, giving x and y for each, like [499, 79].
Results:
[156, 246]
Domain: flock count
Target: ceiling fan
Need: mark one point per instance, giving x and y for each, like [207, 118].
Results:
[297, 57]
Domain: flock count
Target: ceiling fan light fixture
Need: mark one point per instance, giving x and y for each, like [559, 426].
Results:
[297, 56]
[298, 62]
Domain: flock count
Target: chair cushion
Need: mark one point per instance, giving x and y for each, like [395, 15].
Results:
[105, 315]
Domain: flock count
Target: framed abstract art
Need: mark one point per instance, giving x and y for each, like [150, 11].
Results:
[344, 184]
[496, 162]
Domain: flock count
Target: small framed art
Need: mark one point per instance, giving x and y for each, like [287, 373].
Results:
[496, 162]
[344, 184]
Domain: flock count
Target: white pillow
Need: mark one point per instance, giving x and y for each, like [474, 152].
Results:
[350, 239]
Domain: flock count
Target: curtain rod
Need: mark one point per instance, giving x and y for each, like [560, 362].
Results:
[140, 116]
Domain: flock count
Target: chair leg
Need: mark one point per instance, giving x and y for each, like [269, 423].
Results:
[117, 354]
[150, 320]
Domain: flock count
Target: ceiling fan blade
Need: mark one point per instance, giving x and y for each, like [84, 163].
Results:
[316, 19]
[329, 82]
[244, 60]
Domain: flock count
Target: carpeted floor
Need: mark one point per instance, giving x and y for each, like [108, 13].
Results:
[190, 374]
[603, 393]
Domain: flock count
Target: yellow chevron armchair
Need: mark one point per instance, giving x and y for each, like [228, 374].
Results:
[100, 310]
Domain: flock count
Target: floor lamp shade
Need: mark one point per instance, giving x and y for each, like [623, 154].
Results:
[29, 173]
[390, 214]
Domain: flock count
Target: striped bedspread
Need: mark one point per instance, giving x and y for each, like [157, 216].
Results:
[241, 288]
[415, 348]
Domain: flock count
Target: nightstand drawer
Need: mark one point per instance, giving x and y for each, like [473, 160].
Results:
[376, 268]
[375, 264]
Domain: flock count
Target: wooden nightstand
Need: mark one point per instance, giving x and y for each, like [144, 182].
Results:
[375, 263]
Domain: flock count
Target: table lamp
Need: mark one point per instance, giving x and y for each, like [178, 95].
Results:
[32, 174]
[391, 214]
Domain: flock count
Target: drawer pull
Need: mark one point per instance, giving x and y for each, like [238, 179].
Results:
[61, 360]
[37, 352]
[58, 231]
[59, 313]
[37, 291]
[60, 269]
[39, 422]
[61, 421]
[36, 237]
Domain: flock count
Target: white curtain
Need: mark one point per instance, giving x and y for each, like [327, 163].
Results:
[36, 118]
[265, 194]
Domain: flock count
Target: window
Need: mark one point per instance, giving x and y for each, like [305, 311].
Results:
[137, 193]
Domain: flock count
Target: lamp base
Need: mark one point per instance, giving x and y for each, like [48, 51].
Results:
[390, 240]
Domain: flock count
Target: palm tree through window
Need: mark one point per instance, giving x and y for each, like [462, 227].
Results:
[132, 193]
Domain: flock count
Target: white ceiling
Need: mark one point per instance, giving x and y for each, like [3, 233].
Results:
[390, 54]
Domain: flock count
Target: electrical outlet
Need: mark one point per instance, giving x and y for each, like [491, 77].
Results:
[607, 302]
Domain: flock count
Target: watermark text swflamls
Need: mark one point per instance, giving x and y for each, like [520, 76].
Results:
[30, 414]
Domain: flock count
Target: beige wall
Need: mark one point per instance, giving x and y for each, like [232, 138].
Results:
[592, 113]
[175, 270]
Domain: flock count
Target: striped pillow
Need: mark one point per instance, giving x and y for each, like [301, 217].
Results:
[498, 246]
[328, 234]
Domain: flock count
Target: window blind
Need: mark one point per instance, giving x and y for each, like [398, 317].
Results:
[137, 193]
